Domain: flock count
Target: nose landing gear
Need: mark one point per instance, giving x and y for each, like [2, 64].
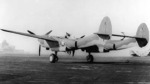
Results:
[89, 58]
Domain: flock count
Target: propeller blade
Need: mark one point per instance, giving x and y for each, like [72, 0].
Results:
[123, 35]
[69, 52]
[31, 32]
[68, 34]
[39, 50]
[48, 32]
[73, 52]
[82, 36]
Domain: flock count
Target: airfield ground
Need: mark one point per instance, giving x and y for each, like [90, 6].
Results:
[30, 69]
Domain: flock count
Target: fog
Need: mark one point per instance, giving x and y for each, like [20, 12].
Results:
[78, 17]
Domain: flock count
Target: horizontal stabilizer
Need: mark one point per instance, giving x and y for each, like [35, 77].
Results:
[117, 35]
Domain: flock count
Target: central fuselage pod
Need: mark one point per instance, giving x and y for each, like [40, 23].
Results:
[95, 41]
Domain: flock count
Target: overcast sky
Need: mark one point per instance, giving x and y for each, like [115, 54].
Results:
[78, 17]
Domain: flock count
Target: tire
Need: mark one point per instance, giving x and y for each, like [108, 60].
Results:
[89, 58]
[56, 58]
[52, 58]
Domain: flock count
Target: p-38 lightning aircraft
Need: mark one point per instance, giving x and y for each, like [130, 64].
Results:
[98, 42]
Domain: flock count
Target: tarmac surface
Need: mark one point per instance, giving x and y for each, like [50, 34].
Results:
[37, 70]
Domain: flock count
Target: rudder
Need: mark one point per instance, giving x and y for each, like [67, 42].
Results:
[142, 34]
[105, 28]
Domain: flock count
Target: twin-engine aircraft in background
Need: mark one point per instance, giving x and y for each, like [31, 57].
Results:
[98, 42]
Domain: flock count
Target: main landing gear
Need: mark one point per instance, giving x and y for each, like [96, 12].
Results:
[53, 58]
[89, 58]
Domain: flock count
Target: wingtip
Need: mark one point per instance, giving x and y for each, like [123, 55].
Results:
[2, 29]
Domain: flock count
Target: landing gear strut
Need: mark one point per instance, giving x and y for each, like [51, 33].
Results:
[53, 58]
[89, 58]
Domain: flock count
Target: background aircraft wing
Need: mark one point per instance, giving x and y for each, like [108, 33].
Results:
[31, 35]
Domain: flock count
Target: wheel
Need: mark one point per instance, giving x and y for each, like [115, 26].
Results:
[56, 58]
[52, 58]
[90, 58]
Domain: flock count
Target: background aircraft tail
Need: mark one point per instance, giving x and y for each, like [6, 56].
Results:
[143, 34]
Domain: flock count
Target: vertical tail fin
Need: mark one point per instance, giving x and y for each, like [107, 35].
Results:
[105, 28]
[143, 49]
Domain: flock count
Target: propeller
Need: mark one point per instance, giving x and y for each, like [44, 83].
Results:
[39, 50]
[39, 39]
[67, 35]
[39, 45]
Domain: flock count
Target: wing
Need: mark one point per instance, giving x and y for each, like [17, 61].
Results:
[31, 35]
